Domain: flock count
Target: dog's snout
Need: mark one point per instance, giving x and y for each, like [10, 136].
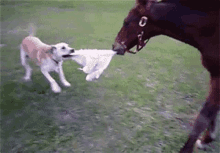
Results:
[72, 50]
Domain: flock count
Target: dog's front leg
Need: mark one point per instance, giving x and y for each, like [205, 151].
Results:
[54, 86]
[62, 77]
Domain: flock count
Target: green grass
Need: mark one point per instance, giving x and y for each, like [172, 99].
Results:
[134, 105]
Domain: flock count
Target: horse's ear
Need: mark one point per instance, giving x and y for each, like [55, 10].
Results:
[144, 2]
[141, 2]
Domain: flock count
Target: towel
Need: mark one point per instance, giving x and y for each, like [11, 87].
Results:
[93, 61]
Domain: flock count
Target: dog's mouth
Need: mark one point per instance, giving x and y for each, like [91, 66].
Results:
[67, 56]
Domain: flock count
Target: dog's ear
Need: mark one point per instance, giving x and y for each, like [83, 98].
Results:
[51, 50]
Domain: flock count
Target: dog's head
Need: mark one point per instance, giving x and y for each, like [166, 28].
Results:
[61, 51]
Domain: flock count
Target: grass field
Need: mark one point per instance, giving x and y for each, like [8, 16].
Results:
[142, 103]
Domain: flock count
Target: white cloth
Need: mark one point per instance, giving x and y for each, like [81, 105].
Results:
[93, 61]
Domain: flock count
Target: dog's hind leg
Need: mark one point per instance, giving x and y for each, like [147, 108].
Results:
[25, 64]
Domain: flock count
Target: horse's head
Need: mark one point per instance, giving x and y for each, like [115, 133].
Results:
[137, 28]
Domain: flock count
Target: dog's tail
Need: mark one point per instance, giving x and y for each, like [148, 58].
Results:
[32, 29]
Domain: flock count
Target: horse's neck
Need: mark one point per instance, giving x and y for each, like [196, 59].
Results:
[168, 19]
[181, 23]
[185, 39]
[202, 5]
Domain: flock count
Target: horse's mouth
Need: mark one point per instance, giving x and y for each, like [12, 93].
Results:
[141, 44]
[121, 48]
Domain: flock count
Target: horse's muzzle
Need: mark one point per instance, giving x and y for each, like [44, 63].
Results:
[120, 49]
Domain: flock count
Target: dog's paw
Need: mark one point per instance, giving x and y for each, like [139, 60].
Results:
[97, 75]
[93, 76]
[90, 78]
[26, 79]
[55, 88]
[66, 84]
[87, 69]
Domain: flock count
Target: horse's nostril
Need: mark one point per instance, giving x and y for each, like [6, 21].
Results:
[72, 50]
[116, 46]
[113, 47]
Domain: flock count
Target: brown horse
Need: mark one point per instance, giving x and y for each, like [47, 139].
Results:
[194, 22]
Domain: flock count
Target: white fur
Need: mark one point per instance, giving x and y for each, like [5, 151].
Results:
[49, 61]
[213, 134]
[200, 145]
[94, 61]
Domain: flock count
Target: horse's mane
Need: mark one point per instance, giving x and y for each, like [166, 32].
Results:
[203, 5]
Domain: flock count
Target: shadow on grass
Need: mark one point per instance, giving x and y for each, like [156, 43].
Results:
[33, 118]
[12, 97]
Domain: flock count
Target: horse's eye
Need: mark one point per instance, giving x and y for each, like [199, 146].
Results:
[126, 23]
[63, 47]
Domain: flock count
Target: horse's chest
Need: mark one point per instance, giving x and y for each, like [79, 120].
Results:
[211, 61]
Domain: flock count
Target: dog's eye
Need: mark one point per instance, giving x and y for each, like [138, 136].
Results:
[63, 48]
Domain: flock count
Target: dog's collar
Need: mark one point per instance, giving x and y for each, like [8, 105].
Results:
[57, 62]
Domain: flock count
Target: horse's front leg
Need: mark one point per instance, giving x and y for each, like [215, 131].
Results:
[211, 132]
[209, 135]
[206, 117]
